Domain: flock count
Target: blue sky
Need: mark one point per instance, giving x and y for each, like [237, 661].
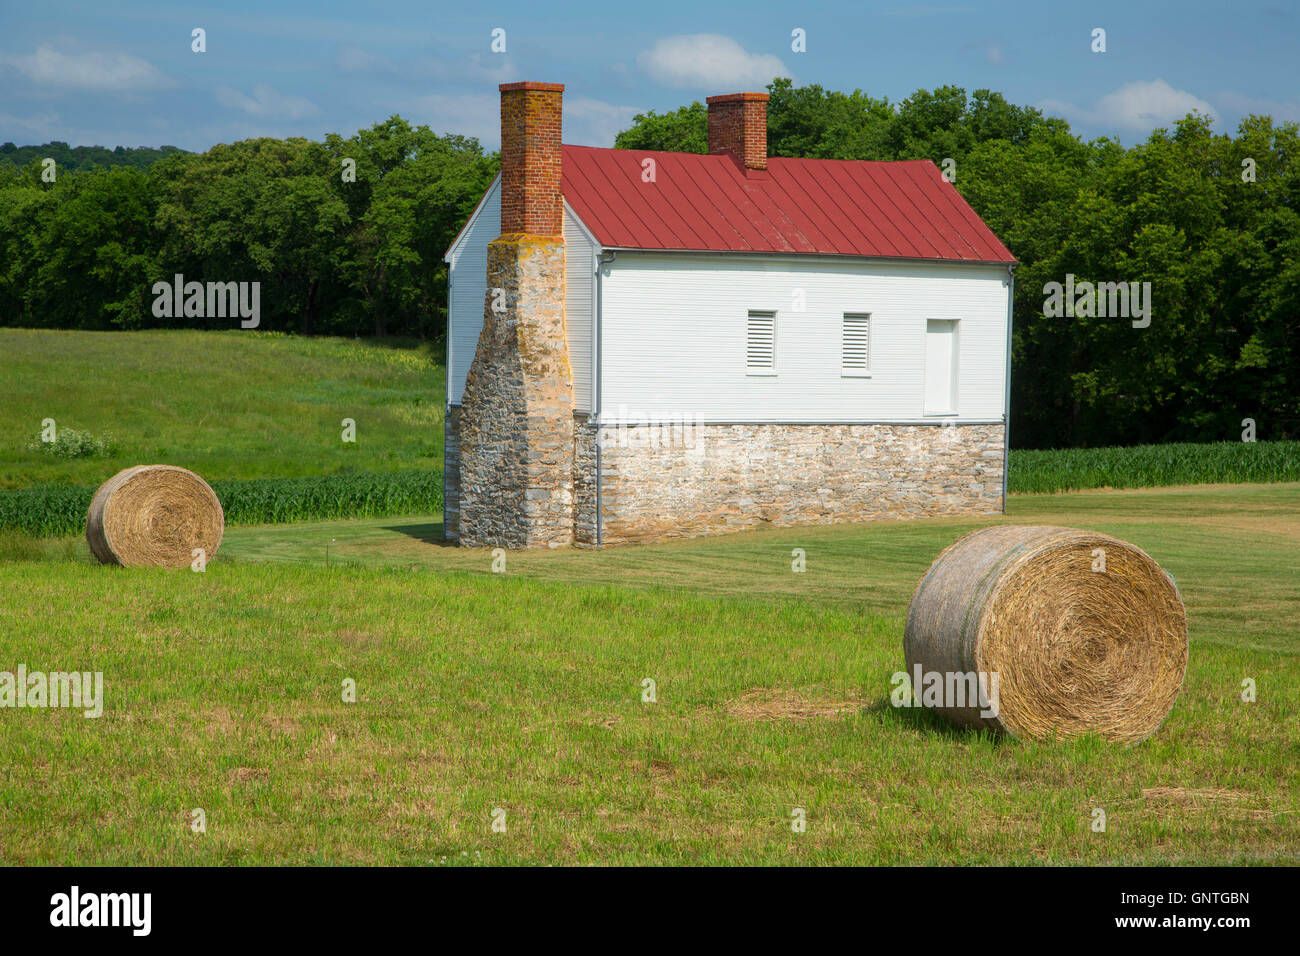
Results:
[123, 73]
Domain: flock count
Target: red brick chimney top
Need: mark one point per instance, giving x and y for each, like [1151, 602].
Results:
[531, 202]
[738, 126]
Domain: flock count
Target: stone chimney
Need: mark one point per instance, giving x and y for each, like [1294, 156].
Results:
[516, 419]
[738, 125]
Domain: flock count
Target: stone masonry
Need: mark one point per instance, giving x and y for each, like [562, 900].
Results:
[514, 429]
[654, 485]
[451, 474]
[516, 416]
[748, 476]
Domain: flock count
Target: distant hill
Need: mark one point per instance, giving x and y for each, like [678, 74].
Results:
[71, 158]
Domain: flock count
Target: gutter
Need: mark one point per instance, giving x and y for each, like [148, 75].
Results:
[817, 256]
[1006, 413]
[595, 381]
[446, 413]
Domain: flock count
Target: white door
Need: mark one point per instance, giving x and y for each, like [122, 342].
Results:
[940, 367]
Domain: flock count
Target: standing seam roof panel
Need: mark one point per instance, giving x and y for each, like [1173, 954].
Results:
[911, 212]
[827, 207]
[880, 217]
[936, 206]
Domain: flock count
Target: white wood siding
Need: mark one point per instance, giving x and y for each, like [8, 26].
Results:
[467, 266]
[673, 338]
[579, 301]
[467, 263]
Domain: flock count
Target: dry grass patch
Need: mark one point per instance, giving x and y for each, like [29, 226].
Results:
[1197, 797]
[767, 703]
[284, 724]
[245, 774]
[1222, 801]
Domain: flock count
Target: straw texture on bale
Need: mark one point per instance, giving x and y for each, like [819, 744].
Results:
[1076, 650]
[154, 515]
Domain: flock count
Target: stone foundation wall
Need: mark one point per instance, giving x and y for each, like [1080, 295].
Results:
[585, 462]
[747, 476]
[516, 422]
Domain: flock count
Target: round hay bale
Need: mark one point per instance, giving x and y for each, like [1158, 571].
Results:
[154, 515]
[1074, 649]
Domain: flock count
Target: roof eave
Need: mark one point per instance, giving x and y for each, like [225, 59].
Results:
[446, 256]
[817, 255]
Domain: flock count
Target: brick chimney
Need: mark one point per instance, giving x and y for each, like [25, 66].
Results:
[738, 125]
[530, 159]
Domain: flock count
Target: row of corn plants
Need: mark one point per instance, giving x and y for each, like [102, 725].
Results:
[55, 510]
[1148, 466]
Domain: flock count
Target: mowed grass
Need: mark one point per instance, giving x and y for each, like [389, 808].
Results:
[523, 691]
[235, 404]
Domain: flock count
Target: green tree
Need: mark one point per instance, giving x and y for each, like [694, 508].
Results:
[414, 190]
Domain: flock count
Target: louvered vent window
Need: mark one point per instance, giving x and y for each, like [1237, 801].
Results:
[760, 344]
[855, 349]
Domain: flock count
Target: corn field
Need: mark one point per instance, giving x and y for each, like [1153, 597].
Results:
[56, 510]
[1148, 466]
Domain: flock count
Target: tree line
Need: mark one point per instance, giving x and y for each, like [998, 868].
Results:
[83, 157]
[1210, 220]
[346, 236]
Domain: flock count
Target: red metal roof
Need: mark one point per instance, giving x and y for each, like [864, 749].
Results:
[817, 206]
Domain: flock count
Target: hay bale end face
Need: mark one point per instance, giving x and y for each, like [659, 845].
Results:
[1085, 632]
[154, 515]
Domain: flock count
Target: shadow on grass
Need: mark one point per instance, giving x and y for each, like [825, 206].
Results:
[428, 533]
[926, 720]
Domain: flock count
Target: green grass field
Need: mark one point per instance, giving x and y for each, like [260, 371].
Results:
[237, 404]
[522, 691]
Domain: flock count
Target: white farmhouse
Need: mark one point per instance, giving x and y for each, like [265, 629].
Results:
[646, 345]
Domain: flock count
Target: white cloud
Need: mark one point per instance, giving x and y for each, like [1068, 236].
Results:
[587, 121]
[1135, 107]
[266, 102]
[493, 68]
[42, 126]
[350, 59]
[442, 69]
[1242, 105]
[709, 61]
[470, 114]
[87, 72]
